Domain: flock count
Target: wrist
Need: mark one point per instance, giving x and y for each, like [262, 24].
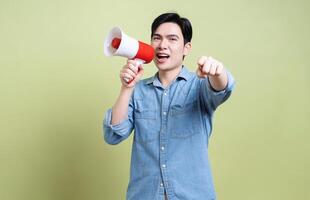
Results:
[126, 90]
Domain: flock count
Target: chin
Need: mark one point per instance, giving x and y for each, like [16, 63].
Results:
[160, 65]
[166, 66]
[163, 66]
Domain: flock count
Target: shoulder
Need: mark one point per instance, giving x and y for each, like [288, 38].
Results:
[144, 83]
[143, 87]
[190, 77]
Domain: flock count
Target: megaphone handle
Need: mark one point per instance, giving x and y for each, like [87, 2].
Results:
[140, 62]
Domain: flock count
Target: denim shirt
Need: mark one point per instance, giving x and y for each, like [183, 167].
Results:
[172, 127]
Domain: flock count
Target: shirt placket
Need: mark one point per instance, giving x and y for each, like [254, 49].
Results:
[164, 140]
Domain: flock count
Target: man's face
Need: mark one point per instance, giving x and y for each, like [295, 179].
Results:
[168, 43]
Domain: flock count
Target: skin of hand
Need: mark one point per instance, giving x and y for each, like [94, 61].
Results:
[131, 73]
[214, 70]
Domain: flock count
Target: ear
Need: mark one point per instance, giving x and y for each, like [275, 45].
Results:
[187, 48]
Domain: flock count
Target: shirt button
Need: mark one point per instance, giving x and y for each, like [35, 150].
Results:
[164, 166]
[164, 113]
[165, 93]
[162, 148]
[161, 184]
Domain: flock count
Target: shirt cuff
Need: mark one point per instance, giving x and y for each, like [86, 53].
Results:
[120, 128]
[229, 86]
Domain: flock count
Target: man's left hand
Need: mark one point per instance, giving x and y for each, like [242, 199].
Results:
[208, 66]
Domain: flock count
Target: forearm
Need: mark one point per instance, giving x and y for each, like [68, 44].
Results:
[120, 108]
[219, 83]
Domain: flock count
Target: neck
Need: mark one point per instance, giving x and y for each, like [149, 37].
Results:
[166, 77]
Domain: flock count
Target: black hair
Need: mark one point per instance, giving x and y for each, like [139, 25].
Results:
[184, 24]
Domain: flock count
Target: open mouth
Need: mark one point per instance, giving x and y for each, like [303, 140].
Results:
[162, 57]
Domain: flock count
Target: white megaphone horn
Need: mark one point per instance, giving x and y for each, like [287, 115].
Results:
[118, 43]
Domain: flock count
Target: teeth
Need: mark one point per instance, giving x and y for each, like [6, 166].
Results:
[162, 54]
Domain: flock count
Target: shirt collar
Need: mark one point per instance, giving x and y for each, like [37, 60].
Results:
[184, 74]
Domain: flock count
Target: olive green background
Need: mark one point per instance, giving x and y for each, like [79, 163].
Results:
[56, 84]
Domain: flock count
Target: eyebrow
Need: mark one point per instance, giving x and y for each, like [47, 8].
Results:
[170, 35]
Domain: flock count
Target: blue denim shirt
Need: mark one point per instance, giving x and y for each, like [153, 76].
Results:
[172, 127]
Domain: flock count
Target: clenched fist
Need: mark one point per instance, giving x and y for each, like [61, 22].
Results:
[208, 66]
[214, 70]
[131, 73]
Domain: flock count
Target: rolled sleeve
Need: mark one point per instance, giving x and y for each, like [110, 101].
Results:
[114, 134]
[229, 86]
[212, 98]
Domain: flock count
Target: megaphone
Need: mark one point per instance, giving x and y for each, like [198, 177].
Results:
[118, 43]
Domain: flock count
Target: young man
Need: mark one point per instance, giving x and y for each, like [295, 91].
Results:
[171, 115]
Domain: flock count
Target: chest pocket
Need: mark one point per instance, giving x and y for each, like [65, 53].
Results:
[185, 120]
[146, 125]
[145, 113]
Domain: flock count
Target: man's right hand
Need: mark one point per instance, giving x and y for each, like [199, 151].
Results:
[131, 73]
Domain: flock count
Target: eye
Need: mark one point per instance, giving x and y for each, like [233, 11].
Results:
[155, 38]
[173, 39]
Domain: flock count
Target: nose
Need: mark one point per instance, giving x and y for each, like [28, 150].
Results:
[162, 44]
